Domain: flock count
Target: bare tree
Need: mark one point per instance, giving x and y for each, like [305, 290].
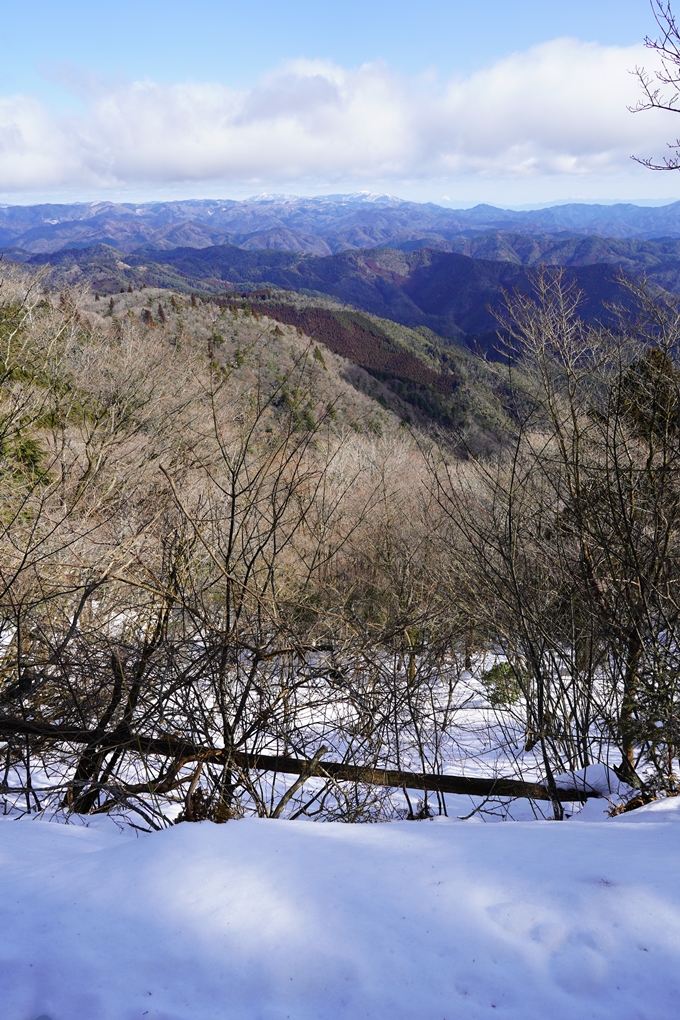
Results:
[661, 89]
[209, 583]
[571, 537]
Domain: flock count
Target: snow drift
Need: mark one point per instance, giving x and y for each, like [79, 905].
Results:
[269, 920]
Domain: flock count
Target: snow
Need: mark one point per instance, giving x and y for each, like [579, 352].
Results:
[265, 919]
[599, 778]
[667, 810]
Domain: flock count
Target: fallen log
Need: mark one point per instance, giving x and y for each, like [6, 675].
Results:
[122, 737]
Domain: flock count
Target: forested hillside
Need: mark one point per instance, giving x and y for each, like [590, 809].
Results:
[224, 560]
[455, 296]
[340, 532]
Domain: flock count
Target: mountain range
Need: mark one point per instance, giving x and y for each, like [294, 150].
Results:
[423, 266]
[326, 225]
[455, 296]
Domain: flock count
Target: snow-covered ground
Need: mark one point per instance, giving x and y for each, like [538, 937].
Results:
[276, 920]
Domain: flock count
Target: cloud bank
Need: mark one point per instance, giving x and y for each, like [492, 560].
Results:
[558, 108]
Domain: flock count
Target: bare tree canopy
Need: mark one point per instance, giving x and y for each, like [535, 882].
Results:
[228, 588]
[661, 88]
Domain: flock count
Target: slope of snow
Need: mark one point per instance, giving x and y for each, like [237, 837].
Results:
[270, 920]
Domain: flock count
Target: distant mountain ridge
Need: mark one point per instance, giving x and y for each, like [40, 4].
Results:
[323, 225]
[453, 295]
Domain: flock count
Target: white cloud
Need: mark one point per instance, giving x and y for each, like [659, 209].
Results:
[557, 109]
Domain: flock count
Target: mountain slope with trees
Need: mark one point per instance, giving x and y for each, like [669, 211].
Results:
[224, 562]
[453, 295]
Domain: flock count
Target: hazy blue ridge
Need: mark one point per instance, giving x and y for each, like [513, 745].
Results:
[322, 226]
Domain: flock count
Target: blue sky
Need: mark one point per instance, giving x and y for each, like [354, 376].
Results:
[235, 42]
[510, 101]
